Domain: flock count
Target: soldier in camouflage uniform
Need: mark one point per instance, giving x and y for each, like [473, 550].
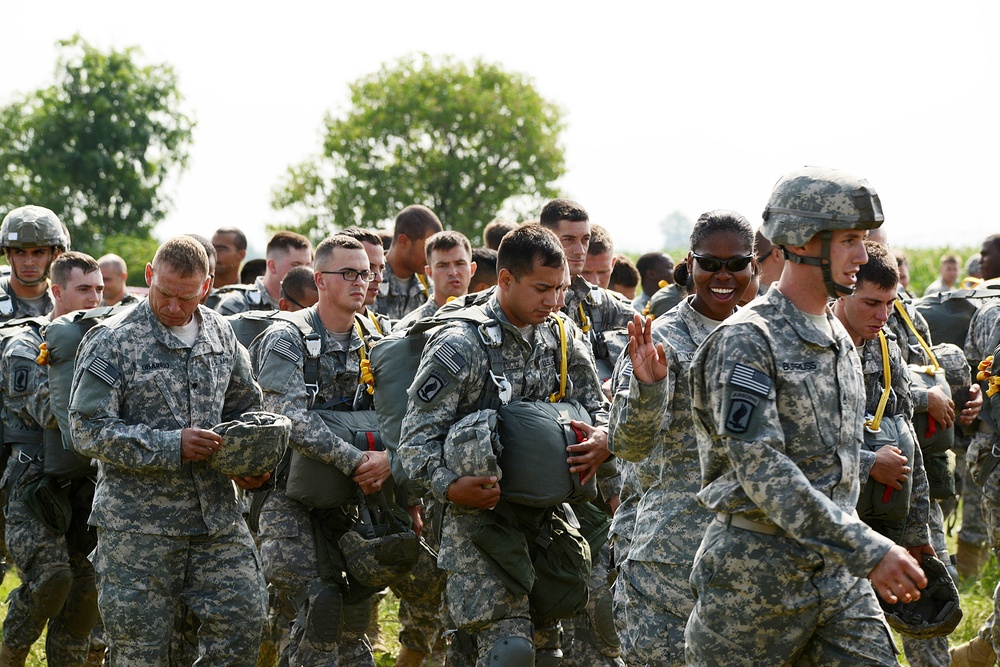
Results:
[376, 264]
[404, 287]
[449, 267]
[31, 238]
[779, 403]
[651, 422]
[285, 251]
[148, 386]
[58, 583]
[453, 375]
[288, 542]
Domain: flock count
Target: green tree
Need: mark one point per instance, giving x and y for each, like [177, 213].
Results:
[460, 139]
[96, 146]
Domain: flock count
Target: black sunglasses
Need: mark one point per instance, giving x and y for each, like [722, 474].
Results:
[733, 265]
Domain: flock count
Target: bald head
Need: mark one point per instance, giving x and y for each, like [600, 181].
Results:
[115, 273]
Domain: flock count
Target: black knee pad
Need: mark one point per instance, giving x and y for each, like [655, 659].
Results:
[50, 593]
[80, 612]
[514, 652]
[358, 616]
[603, 620]
[323, 611]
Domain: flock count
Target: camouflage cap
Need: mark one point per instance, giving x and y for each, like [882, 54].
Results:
[32, 227]
[251, 445]
[472, 444]
[810, 200]
[937, 612]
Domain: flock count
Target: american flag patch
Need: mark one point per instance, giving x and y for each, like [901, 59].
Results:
[751, 379]
[285, 349]
[450, 358]
[104, 371]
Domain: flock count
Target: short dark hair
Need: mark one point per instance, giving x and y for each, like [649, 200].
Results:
[495, 230]
[386, 237]
[714, 222]
[184, 255]
[210, 250]
[416, 221]
[446, 240]
[298, 281]
[562, 209]
[325, 249]
[287, 241]
[64, 264]
[486, 266]
[880, 269]
[528, 246]
[363, 235]
[600, 241]
[762, 246]
[239, 238]
[252, 269]
[624, 273]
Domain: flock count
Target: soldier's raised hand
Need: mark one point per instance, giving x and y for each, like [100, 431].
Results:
[649, 360]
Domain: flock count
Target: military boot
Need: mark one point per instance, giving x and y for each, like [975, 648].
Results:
[975, 653]
[12, 657]
[971, 558]
[409, 658]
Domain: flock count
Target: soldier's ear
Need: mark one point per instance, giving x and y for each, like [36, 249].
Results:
[149, 274]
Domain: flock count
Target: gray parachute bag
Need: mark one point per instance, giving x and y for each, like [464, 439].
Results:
[62, 340]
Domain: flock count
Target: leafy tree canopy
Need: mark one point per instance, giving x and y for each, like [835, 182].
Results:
[463, 140]
[96, 146]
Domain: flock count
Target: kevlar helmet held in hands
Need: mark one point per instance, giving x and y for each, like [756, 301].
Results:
[32, 227]
[937, 612]
[252, 445]
[819, 200]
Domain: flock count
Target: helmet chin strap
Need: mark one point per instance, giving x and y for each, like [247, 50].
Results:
[833, 289]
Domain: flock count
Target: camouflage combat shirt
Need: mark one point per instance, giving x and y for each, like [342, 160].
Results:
[397, 297]
[135, 387]
[779, 409]
[454, 371]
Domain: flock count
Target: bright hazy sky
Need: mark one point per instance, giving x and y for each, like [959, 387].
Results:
[670, 106]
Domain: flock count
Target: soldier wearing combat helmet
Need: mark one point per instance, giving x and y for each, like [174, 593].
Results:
[31, 238]
[778, 404]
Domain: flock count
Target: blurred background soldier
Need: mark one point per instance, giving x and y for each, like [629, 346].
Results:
[624, 277]
[600, 257]
[485, 275]
[115, 273]
[285, 250]
[495, 230]
[449, 267]
[298, 290]
[653, 268]
[947, 275]
[231, 249]
[404, 287]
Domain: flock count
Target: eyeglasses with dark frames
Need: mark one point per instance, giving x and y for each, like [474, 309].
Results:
[350, 275]
[712, 264]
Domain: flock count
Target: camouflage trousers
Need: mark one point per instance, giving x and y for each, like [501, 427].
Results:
[421, 621]
[974, 528]
[288, 552]
[591, 638]
[931, 652]
[482, 605]
[652, 603]
[766, 600]
[991, 512]
[58, 585]
[142, 578]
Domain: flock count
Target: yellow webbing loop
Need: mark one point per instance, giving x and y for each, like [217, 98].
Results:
[423, 284]
[876, 421]
[920, 339]
[563, 361]
[365, 377]
[584, 322]
[43, 355]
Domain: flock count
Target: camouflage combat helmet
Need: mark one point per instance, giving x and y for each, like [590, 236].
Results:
[937, 612]
[818, 200]
[251, 445]
[32, 227]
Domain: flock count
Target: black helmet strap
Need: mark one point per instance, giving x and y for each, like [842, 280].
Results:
[833, 289]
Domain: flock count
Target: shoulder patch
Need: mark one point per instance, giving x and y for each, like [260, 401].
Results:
[104, 371]
[431, 386]
[750, 379]
[741, 409]
[285, 349]
[450, 358]
[20, 379]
